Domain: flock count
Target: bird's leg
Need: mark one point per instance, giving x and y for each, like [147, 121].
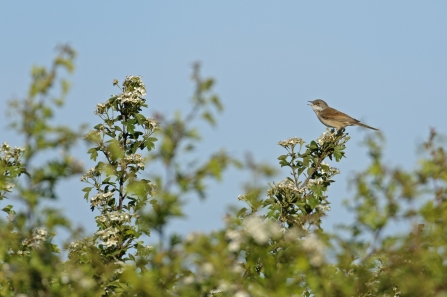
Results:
[340, 131]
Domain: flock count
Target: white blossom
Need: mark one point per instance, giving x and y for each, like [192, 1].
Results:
[100, 108]
[242, 197]
[121, 265]
[152, 124]
[38, 235]
[236, 238]
[325, 137]
[108, 236]
[74, 245]
[254, 226]
[241, 293]
[193, 236]
[291, 142]
[134, 91]
[331, 170]
[315, 248]
[214, 292]
[324, 207]
[91, 173]
[207, 268]
[87, 283]
[285, 186]
[8, 154]
[237, 268]
[114, 216]
[8, 187]
[261, 231]
[136, 159]
[41, 233]
[317, 181]
[100, 199]
[187, 280]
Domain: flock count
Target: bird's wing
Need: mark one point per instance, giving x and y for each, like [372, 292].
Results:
[333, 114]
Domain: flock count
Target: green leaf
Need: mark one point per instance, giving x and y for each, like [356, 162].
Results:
[209, 118]
[93, 153]
[313, 202]
[215, 100]
[140, 118]
[87, 189]
[149, 143]
[55, 248]
[7, 208]
[313, 145]
[131, 257]
[338, 155]
[306, 161]
[130, 128]
[242, 212]
[87, 192]
[282, 157]
[310, 170]
[115, 150]
[206, 84]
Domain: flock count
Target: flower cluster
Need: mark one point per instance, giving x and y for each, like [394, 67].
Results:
[261, 231]
[323, 207]
[330, 171]
[119, 267]
[119, 217]
[134, 89]
[243, 197]
[101, 108]
[151, 124]
[315, 249]
[109, 236]
[77, 276]
[253, 227]
[38, 235]
[327, 136]
[291, 142]
[100, 199]
[285, 187]
[10, 158]
[91, 173]
[130, 98]
[10, 165]
[8, 154]
[312, 182]
[136, 159]
[7, 187]
[79, 247]
[236, 238]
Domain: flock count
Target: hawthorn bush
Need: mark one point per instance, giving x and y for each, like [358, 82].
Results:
[274, 246]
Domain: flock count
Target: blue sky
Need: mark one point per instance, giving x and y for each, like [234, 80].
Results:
[382, 62]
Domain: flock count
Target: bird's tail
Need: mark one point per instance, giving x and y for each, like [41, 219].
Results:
[366, 126]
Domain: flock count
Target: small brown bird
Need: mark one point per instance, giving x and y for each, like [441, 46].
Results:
[333, 118]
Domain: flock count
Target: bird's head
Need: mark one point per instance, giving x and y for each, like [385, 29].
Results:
[318, 105]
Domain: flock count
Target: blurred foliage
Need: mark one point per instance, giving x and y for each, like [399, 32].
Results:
[274, 246]
[183, 174]
[32, 117]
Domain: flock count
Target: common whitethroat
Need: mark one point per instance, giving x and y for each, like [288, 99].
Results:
[333, 118]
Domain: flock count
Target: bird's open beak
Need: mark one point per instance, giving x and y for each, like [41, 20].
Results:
[311, 103]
